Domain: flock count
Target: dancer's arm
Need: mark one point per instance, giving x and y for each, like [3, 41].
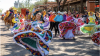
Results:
[40, 29]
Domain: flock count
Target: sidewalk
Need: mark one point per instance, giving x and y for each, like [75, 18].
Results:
[82, 46]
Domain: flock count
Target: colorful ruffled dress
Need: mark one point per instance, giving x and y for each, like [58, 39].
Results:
[28, 25]
[46, 23]
[34, 40]
[89, 28]
[18, 26]
[96, 38]
[67, 28]
[78, 25]
[92, 19]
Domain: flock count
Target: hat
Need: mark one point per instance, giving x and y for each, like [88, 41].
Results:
[50, 11]
[59, 12]
[53, 11]
[64, 12]
[90, 12]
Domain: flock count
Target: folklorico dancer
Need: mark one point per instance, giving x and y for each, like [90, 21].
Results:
[90, 28]
[67, 28]
[46, 23]
[35, 40]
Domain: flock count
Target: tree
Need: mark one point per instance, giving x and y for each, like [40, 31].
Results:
[1, 10]
[58, 3]
[63, 5]
[26, 4]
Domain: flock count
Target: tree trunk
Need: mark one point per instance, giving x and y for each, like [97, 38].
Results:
[58, 3]
[68, 6]
[82, 9]
[63, 5]
[46, 4]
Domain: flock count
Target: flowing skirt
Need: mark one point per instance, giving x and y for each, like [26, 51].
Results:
[67, 29]
[36, 43]
[46, 25]
[96, 38]
[69, 34]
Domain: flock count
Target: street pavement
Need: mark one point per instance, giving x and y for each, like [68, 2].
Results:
[82, 46]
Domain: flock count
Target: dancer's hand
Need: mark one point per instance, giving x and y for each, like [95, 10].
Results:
[44, 31]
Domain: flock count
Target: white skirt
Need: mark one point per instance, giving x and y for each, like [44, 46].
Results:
[69, 34]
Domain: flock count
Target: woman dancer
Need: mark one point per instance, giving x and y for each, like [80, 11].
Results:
[36, 40]
[92, 18]
[67, 28]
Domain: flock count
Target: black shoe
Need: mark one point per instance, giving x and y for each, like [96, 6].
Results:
[74, 39]
[63, 38]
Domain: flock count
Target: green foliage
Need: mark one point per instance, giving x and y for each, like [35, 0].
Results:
[1, 10]
[26, 4]
[39, 3]
[29, 5]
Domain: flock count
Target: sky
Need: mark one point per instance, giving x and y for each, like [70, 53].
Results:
[6, 4]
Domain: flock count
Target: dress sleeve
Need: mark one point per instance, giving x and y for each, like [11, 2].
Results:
[34, 24]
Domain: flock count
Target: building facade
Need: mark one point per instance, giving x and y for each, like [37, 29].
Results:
[75, 5]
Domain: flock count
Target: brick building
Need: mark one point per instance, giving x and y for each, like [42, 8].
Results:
[74, 5]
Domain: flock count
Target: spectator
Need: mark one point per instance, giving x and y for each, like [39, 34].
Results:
[52, 22]
[64, 16]
[57, 20]
[85, 16]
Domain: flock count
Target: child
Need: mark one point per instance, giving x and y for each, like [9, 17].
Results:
[28, 22]
[46, 19]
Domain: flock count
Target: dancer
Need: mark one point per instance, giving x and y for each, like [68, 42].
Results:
[91, 18]
[36, 40]
[44, 13]
[11, 11]
[90, 28]
[69, 16]
[46, 19]
[28, 22]
[67, 28]
[79, 24]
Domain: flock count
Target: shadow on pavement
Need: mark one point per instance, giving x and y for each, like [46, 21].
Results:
[3, 29]
[85, 37]
[75, 47]
[15, 50]
[7, 35]
[2, 25]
